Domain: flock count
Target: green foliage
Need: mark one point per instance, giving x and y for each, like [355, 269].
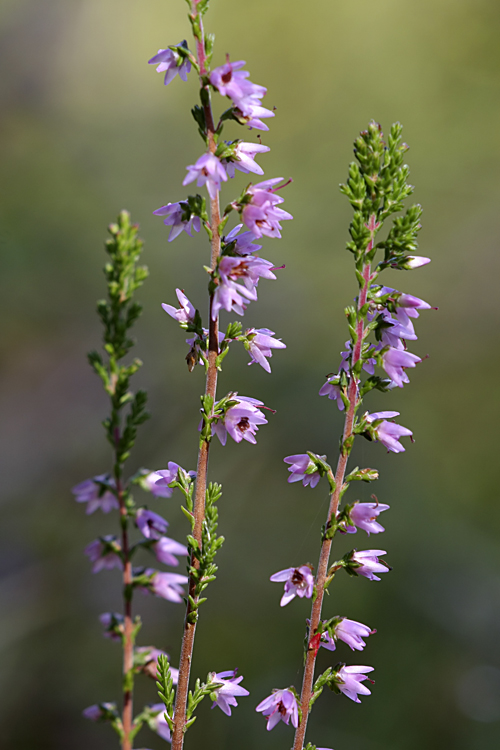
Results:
[165, 687]
[195, 697]
[203, 572]
[323, 680]
[377, 187]
[118, 314]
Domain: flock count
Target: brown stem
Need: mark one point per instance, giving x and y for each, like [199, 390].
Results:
[128, 644]
[202, 467]
[321, 575]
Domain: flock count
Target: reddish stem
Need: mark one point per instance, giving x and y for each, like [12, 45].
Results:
[352, 394]
[202, 468]
[128, 641]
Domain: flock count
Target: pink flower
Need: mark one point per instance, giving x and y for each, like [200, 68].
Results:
[364, 516]
[166, 548]
[94, 493]
[367, 563]
[103, 553]
[229, 294]
[179, 217]
[280, 706]
[244, 158]
[227, 689]
[300, 463]
[186, 312]
[298, 582]
[164, 477]
[394, 362]
[169, 62]
[231, 81]
[349, 631]
[207, 170]
[244, 242]
[261, 214]
[113, 624]
[349, 679]
[414, 261]
[240, 421]
[388, 433]
[332, 389]
[151, 525]
[167, 585]
[260, 343]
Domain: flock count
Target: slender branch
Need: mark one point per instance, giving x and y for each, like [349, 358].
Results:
[321, 575]
[128, 640]
[202, 467]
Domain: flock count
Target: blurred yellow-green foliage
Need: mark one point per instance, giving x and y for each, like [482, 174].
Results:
[86, 129]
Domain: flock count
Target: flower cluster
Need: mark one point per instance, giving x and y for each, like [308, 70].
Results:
[381, 322]
[237, 270]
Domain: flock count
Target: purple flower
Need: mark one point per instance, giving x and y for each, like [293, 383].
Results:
[394, 362]
[207, 170]
[259, 344]
[231, 296]
[227, 690]
[251, 112]
[244, 158]
[159, 723]
[368, 563]
[179, 217]
[103, 553]
[349, 631]
[148, 483]
[231, 81]
[349, 681]
[388, 433]
[261, 214]
[298, 582]
[166, 548]
[150, 524]
[394, 330]
[414, 261]
[240, 421]
[249, 270]
[244, 242]
[112, 623]
[412, 304]
[169, 62]
[167, 476]
[300, 463]
[186, 312]
[94, 713]
[364, 515]
[332, 389]
[281, 705]
[166, 585]
[92, 492]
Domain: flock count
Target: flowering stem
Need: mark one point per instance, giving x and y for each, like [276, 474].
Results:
[210, 390]
[322, 572]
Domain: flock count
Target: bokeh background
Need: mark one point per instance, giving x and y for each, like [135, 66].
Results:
[88, 129]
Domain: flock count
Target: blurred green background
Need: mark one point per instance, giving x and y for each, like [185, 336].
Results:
[86, 129]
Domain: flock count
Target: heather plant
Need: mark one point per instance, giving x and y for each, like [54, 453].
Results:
[379, 324]
[234, 271]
